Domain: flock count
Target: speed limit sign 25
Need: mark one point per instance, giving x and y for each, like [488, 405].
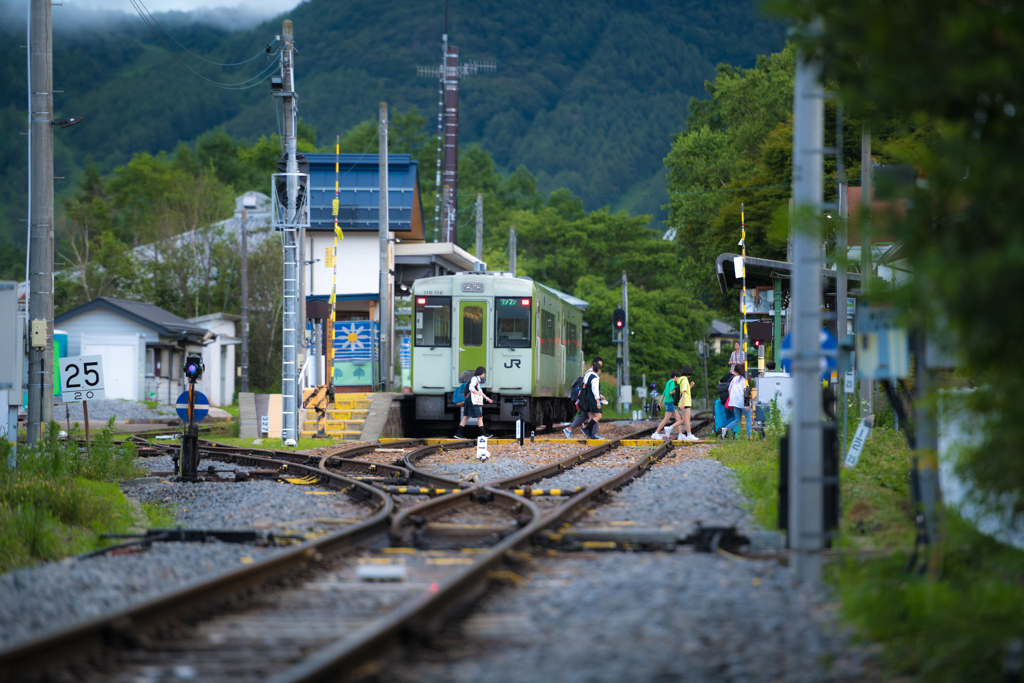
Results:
[81, 378]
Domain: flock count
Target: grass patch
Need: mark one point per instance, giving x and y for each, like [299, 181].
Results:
[159, 516]
[268, 443]
[152, 405]
[951, 630]
[59, 499]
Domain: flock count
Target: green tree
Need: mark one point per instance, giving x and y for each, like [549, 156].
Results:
[947, 71]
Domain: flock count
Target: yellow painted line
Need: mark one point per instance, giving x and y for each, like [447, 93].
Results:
[399, 551]
[374, 560]
[319, 493]
[476, 551]
[245, 560]
[449, 560]
[597, 545]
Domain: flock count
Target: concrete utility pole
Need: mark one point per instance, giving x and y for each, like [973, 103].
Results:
[625, 337]
[512, 250]
[40, 243]
[805, 433]
[866, 389]
[387, 362]
[842, 226]
[244, 374]
[290, 336]
[479, 227]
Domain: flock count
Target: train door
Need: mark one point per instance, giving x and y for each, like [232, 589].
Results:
[472, 335]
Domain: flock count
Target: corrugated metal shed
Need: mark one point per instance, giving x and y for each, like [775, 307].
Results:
[359, 193]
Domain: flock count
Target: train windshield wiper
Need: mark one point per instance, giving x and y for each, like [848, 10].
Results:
[507, 342]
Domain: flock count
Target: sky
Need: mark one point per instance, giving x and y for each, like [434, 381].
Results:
[228, 14]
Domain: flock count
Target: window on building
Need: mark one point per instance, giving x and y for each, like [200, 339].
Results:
[151, 369]
[433, 324]
[513, 322]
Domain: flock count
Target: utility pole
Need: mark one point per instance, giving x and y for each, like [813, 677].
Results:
[290, 336]
[512, 250]
[479, 227]
[743, 259]
[866, 389]
[625, 338]
[244, 375]
[40, 275]
[448, 75]
[842, 269]
[805, 433]
[387, 363]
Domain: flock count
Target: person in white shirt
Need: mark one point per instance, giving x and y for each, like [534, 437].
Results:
[475, 403]
[591, 400]
[734, 405]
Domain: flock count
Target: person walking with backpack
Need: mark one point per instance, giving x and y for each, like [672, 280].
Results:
[475, 403]
[673, 396]
[591, 399]
[735, 401]
[576, 395]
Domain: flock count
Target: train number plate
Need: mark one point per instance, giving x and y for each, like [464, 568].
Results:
[472, 286]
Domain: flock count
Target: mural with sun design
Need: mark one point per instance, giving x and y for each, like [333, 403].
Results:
[355, 353]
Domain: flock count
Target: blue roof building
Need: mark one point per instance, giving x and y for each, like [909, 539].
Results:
[358, 177]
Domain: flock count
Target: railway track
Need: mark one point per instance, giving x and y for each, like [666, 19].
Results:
[445, 538]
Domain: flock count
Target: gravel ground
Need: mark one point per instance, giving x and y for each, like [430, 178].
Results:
[107, 408]
[680, 492]
[59, 594]
[645, 617]
[682, 616]
[248, 504]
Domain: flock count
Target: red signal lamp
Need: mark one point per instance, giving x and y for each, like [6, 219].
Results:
[421, 300]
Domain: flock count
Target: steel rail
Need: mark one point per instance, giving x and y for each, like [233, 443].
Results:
[127, 625]
[420, 617]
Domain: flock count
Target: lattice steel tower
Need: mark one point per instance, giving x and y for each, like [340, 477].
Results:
[447, 179]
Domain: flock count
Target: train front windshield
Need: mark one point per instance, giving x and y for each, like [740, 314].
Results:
[513, 322]
[433, 321]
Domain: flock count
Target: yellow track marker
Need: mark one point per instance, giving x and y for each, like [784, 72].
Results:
[449, 560]
[400, 551]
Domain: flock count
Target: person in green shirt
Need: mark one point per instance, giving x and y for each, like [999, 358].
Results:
[671, 396]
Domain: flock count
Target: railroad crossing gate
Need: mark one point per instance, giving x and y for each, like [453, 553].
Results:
[472, 335]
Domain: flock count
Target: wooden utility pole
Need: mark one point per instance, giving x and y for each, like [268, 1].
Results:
[40, 243]
[387, 363]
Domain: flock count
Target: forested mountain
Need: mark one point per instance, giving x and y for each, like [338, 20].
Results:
[587, 94]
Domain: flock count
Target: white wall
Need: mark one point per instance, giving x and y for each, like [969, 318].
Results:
[358, 263]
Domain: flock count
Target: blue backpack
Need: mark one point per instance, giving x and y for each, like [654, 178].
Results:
[459, 397]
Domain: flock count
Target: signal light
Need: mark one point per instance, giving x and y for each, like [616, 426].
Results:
[618, 319]
[421, 300]
[757, 342]
[524, 302]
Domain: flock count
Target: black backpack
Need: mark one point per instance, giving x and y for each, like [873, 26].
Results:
[676, 393]
[575, 391]
[723, 389]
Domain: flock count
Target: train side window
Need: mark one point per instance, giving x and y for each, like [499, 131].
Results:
[433, 321]
[512, 322]
[547, 333]
[472, 326]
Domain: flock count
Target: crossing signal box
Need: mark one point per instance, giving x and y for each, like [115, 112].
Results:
[760, 332]
[618, 321]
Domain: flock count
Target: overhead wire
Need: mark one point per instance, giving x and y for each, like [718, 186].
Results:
[242, 85]
[208, 61]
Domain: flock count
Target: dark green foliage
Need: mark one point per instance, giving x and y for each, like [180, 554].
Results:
[942, 76]
[587, 94]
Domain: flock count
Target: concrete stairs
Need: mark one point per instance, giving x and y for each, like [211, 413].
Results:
[345, 417]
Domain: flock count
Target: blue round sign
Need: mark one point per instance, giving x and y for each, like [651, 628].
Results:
[827, 363]
[199, 411]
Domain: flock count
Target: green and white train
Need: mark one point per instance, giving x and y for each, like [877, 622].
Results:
[527, 336]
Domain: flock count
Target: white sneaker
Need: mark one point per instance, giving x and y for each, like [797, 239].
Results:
[690, 437]
[656, 436]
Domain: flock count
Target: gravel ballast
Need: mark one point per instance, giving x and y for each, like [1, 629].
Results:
[104, 409]
[59, 594]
